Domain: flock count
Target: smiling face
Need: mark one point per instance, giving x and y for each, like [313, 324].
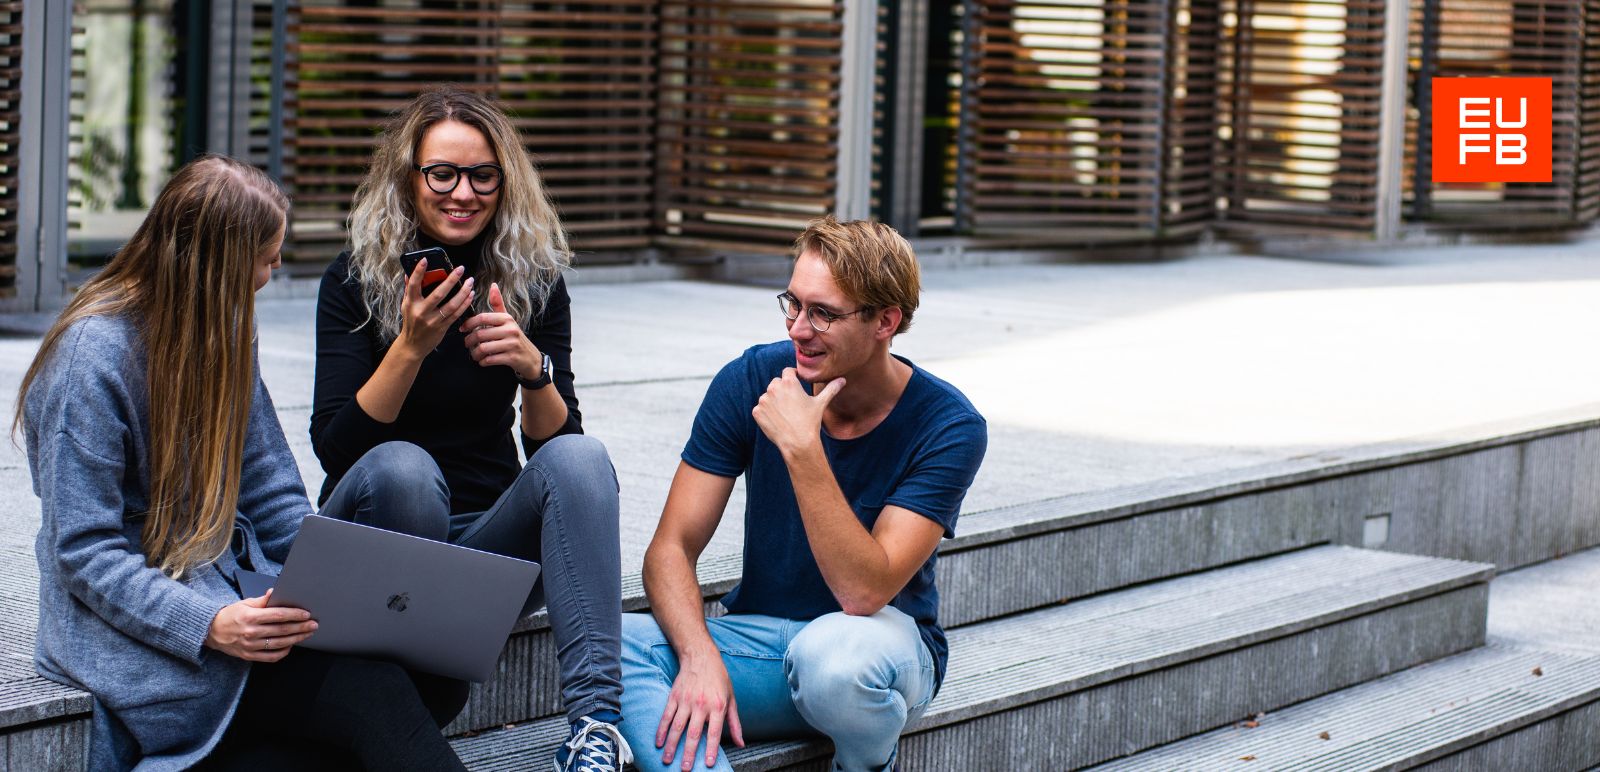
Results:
[270, 258]
[459, 216]
[848, 344]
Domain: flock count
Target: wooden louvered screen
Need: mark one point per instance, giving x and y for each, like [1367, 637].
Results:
[260, 116]
[1586, 201]
[580, 78]
[1500, 38]
[1065, 112]
[10, 118]
[576, 76]
[1302, 83]
[748, 119]
[348, 67]
[1189, 190]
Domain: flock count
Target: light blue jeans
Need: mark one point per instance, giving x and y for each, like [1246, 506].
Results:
[561, 511]
[857, 680]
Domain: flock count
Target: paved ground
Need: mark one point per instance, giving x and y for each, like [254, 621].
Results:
[1093, 377]
[1550, 606]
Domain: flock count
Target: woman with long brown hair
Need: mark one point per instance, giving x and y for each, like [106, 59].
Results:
[162, 470]
[417, 388]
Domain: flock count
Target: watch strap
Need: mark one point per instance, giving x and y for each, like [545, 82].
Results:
[545, 375]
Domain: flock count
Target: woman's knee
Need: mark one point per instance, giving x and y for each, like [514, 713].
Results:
[576, 455]
[400, 465]
[578, 469]
[403, 490]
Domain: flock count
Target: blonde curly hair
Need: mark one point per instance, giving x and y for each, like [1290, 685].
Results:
[527, 249]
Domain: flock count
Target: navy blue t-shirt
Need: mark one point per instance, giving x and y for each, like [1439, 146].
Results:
[921, 458]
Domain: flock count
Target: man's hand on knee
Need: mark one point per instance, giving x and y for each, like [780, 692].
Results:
[701, 702]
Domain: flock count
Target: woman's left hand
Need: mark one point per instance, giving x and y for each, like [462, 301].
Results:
[495, 338]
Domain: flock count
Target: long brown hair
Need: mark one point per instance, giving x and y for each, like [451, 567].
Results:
[187, 277]
[527, 249]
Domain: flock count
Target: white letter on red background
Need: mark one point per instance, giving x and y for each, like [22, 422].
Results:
[1467, 114]
[1468, 148]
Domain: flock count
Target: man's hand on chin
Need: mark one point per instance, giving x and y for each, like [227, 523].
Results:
[790, 417]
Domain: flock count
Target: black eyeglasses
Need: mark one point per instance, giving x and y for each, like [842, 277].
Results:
[443, 178]
[819, 318]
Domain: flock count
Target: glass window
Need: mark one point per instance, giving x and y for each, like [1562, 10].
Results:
[124, 120]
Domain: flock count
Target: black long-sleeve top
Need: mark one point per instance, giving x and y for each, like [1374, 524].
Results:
[458, 411]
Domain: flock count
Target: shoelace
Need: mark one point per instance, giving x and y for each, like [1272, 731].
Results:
[599, 747]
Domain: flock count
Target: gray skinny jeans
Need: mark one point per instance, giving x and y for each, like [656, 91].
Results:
[561, 511]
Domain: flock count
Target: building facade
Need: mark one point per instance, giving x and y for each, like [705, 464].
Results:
[674, 130]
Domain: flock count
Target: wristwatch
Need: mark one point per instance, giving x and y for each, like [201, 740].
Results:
[545, 375]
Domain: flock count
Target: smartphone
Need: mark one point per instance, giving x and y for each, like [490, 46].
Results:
[438, 266]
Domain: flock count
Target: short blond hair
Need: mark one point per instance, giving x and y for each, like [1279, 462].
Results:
[872, 263]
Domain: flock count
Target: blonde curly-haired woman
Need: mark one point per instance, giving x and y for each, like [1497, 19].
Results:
[417, 387]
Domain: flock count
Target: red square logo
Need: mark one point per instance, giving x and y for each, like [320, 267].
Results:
[1491, 129]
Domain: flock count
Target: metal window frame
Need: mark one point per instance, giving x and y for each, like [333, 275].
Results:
[41, 178]
[43, 274]
[1392, 121]
[900, 142]
[227, 128]
[856, 88]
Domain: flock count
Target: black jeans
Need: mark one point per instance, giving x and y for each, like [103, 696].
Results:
[317, 711]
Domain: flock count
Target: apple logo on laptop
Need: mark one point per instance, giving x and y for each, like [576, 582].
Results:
[397, 603]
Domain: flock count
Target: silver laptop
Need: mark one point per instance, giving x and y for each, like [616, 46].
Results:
[425, 604]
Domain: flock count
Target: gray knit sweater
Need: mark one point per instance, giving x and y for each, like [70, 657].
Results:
[108, 624]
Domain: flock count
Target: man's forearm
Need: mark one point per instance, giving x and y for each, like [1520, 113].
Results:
[852, 562]
[673, 588]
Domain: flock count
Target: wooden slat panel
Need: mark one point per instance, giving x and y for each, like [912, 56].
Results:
[748, 118]
[1507, 38]
[10, 117]
[577, 78]
[1071, 116]
[1298, 112]
[1586, 198]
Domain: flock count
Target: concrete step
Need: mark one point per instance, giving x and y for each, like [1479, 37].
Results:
[43, 725]
[1113, 674]
[1497, 707]
[1078, 550]
[1072, 555]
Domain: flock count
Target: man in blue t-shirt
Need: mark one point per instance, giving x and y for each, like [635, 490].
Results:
[855, 463]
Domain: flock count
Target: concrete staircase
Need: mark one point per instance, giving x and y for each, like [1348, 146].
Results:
[1495, 707]
[1108, 675]
[1079, 640]
[1138, 631]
